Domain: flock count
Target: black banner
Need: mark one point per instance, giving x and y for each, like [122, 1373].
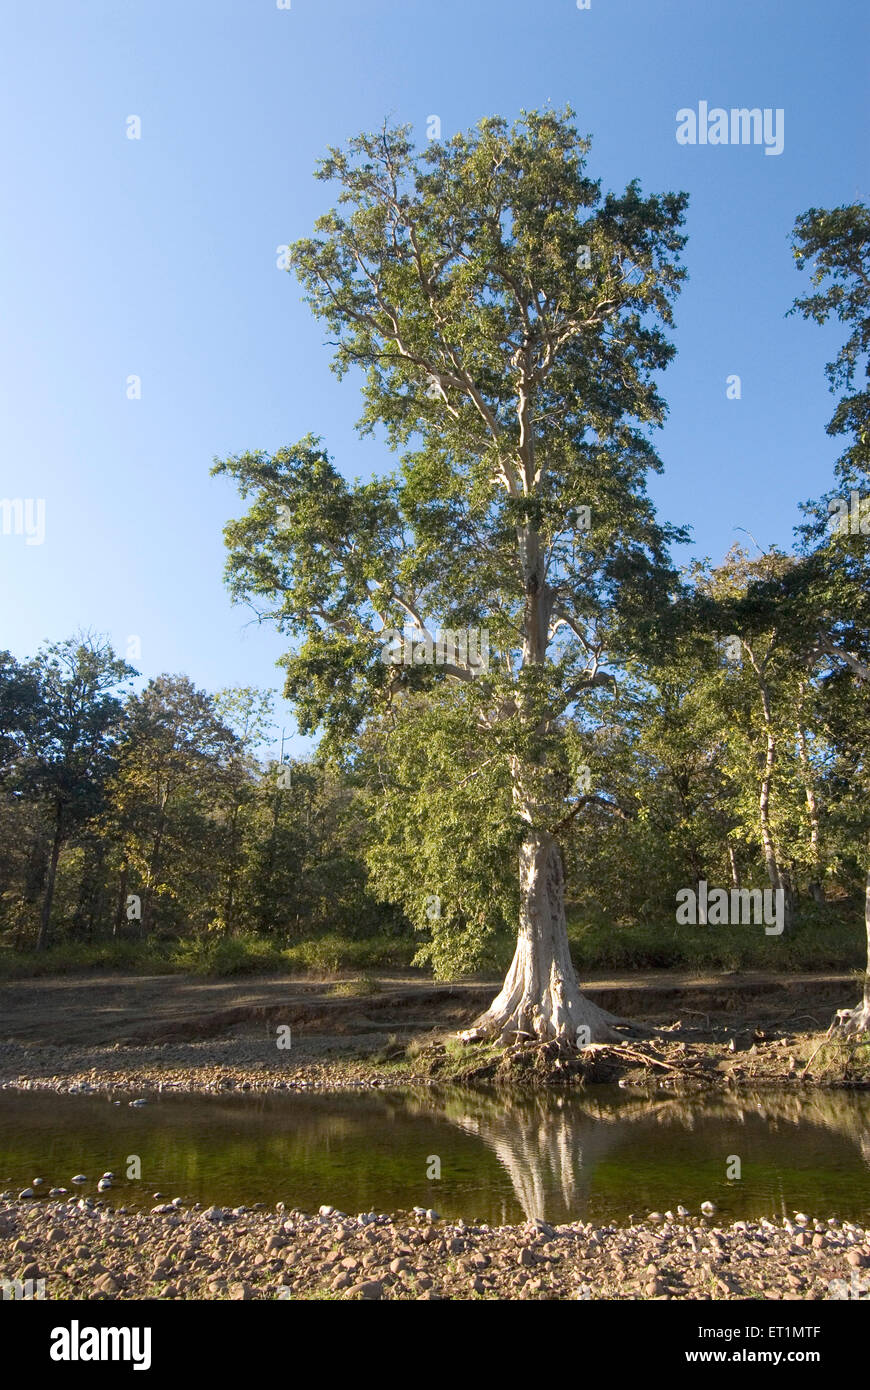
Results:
[60, 1339]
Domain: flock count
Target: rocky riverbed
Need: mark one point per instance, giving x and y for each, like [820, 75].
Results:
[83, 1249]
[203, 1067]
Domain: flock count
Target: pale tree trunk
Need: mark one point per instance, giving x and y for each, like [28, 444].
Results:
[50, 882]
[816, 889]
[153, 868]
[779, 881]
[540, 997]
[121, 903]
[857, 1020]
[770, 858]
[732, 861]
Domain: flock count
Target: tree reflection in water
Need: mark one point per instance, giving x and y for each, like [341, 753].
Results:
[550, 1144]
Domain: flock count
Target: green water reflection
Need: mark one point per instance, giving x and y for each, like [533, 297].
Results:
[602, 1157]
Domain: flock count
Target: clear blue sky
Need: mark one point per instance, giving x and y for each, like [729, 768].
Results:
[157, 257]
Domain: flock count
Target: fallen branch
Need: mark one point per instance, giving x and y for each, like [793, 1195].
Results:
[634, 1056]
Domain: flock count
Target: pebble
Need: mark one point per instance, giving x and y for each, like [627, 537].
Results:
[370, 1289]
[539, 1227]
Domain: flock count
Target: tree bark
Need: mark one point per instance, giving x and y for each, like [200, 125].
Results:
[732, 862]
[770, 857]
[850, 1021]
[540, 997]
[816, 890]
[229, 906]
[51, 879]
[153, 870]
[780, 881]
[117, 925]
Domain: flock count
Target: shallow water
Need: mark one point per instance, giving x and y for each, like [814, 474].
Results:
[602, 1155]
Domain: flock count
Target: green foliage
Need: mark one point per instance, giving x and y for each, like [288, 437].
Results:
[213, 956]
[445, 837]
[184, 818]
[836, 244]
[79, 957]
[830, 940]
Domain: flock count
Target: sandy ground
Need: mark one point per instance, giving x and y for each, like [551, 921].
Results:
[103, 1008]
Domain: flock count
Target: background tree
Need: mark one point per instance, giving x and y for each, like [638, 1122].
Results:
[74, 742]
[173, 767]
[247, 713]
[23, 844]
[835, 243]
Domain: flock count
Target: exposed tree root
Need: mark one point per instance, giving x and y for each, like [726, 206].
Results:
[577, 1023]
[529, 1062]
[848, 1023]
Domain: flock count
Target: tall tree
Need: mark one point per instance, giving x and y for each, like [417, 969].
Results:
[829, 597]
[509, 321]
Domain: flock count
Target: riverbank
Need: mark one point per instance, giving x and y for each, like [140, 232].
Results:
[232, 1065]
[146, 1034]
[83, 1250]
